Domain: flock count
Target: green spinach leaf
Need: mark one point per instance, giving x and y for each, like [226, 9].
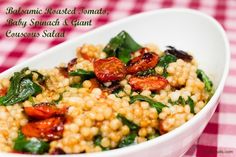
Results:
[147, 72]
[203, 77]
[33, 146]
[128, 140]
[191, 104]
[21, 88]
[165, 61]
[97, 142]
[132, 126]
[121, 46]
[157, 105]
[83, 73]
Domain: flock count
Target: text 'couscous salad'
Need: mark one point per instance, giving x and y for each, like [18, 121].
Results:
[106, 98]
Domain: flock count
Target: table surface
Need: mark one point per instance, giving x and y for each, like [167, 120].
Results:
[219, 137]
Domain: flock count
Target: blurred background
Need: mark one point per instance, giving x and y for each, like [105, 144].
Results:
[219, 137]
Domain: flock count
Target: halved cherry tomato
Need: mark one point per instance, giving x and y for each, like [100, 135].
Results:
[71, 64]
[109, 69]
[152, 83]
[3, 91]
[50, 129]
[141, 63]
[44, 111]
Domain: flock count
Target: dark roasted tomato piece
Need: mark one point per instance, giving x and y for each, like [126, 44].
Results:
[152, 83]
[57, 151]
[71, 64]
[141, 63]
[50, 129]
[44, 111]
[64, 71]
[3, 92]
[109, 69]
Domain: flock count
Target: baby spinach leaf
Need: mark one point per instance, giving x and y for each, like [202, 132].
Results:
[203, 77]
[132, 126]
[97, 142]
[128, 140]
[121, 46]
[177, 102]
[21, 88]
[147, 72]
[83, 73]
[157, 105]
[165, 61]
[191, 104]
[33, 146]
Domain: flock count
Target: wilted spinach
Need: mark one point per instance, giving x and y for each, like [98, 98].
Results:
[157, 105]
[121, 46]
[97, 142]
[21, 88]
[128, 140]
[203, 77]
[132, 126]
[84, 75]
[33, 146]
[147, 72]
[191, 104]
[165, 61]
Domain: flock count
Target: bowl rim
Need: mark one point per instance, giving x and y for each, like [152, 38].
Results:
[173, 133]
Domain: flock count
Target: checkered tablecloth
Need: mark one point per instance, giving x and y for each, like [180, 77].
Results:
[218, 138]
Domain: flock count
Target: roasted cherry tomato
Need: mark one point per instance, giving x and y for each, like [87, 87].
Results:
[109, 69]
[71, 64]
[152, 83]
[3, 92]
[44, 111]
[50, 129]
[141, 63]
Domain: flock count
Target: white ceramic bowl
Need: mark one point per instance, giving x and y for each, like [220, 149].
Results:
[183, 28]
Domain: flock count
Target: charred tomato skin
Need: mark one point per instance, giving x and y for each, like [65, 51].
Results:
[109, 69]
[152, 83]
[143, 62]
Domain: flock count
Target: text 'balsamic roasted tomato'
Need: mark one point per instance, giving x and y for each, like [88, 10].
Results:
[109, 69]
[44, 111]
[152, 83]
[141, 63]
[50, 129]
